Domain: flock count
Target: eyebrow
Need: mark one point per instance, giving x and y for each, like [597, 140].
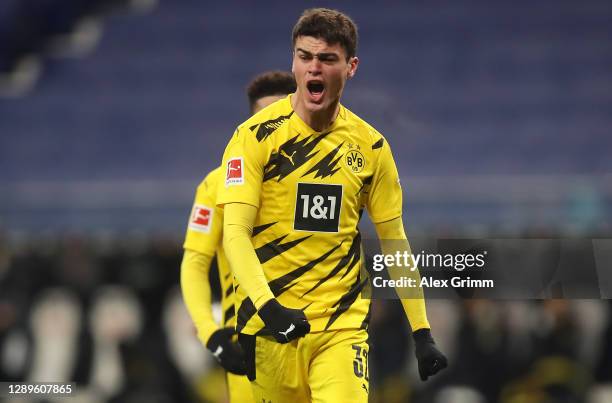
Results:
[319, 55]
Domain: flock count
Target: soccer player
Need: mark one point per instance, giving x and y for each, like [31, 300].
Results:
[297, 176]
[203, 241]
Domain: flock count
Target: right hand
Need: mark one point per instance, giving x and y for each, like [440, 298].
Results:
[285, 324]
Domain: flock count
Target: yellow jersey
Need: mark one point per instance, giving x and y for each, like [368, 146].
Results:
[310, 189]
[205, 236]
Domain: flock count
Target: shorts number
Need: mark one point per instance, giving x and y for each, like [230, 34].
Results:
[360, 362]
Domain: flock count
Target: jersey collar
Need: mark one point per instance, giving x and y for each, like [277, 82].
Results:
[307, 129]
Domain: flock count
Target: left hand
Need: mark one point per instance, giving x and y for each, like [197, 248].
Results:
[430, 359]
[226, 351]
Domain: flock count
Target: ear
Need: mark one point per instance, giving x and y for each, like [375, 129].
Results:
[293, 63]
[353, 63]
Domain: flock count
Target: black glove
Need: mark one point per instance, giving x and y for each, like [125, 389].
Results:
[430, 359]
[284, 324]
[227, 352]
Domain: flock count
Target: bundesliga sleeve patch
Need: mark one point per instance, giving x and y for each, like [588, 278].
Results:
[234, 174]
[201, 218]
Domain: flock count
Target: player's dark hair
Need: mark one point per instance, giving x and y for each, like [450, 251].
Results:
[270, 83]
[330, 25]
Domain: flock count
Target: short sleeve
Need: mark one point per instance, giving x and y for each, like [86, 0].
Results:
[243, 165]
[384, 201]
[205, 226]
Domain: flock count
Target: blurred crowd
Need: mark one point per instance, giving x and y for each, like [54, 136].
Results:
[106, 312]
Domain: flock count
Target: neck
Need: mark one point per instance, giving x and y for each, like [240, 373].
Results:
[318, 120]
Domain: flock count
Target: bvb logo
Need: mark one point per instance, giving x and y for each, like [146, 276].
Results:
[355, 161]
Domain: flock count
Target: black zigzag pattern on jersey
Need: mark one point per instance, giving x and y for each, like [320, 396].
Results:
[278, 286]
[261, 228]
[229, 313]
[345, 302]
[283, 283]
[268, 127]
[275, 248]
[325, 167]
[245, 312]
[229, 290]
[378, 144]
[347, 261]
[290, 156]
[366, 320]
[366, 181]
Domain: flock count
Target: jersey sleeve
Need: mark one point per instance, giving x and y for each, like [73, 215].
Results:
[243, 166]
[384, 200]
[195, 287]
[204, 230]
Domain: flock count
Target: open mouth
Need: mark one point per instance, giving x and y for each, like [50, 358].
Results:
[316, 89]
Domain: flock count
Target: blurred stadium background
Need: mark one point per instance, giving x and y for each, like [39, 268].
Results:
[111, 112]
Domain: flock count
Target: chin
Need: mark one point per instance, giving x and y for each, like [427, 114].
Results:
[317, 106]
[313, 107]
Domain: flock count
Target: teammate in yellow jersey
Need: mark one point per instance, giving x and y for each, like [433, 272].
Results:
[203, 241]
[298, 175]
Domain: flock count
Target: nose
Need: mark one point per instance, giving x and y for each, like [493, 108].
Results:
[314, 66]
